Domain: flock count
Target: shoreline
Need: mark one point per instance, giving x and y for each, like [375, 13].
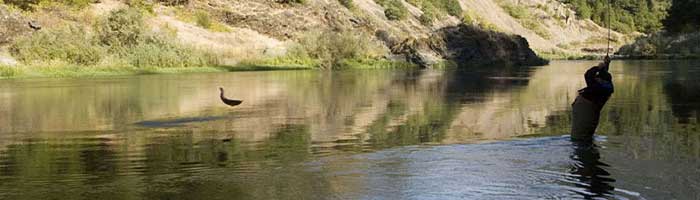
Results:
[71, 71]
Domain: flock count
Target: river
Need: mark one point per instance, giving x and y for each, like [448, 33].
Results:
[354, 134]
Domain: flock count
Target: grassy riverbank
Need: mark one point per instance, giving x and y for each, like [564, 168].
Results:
[58, 70]
[123, 43]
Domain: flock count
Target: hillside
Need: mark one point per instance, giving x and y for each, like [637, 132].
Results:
[323, 33]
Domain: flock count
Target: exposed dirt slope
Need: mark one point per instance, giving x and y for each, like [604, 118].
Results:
[572, 34]
[285, 22]
[263, 28]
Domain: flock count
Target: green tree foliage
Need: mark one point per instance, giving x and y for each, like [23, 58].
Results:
[625, 15]
[393, 9]
[684, 16]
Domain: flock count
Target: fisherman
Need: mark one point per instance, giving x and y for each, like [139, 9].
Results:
[590, 101]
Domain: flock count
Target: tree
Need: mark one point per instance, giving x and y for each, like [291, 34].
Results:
[684, 16]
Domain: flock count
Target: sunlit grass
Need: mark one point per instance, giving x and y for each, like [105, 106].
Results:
[526, 18]
[59, 69]
[562, 55]
[200, 18]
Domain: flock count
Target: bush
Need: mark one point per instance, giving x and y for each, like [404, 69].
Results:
[70, 44]
[467, 18]
[429, 14]
[347, 3]
[440, 7]
[518, 12]
[121, 38]
[122, 28]
[526, 19]
[202, 19]
[143, 5]
[452, 7]
[159, 52]
[334, 49]
[394, 10]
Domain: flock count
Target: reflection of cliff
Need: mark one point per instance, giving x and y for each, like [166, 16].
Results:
[291, 117]
[347, 110]
[520, 109]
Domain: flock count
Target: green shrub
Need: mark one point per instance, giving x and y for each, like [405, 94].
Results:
[347, 3]
[395, 10]
[518, 12]
[202, 19]
[526, 19]
[332, 49]
[429, 14]
[159, 52]
[142, 5]
[536, 27]
[121, 28]
[70, 44]
[452, 7]
[441, 7]
[121, 37]
[486, 25]
[467, 18]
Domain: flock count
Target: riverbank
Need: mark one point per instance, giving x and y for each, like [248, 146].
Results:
[61, 70]
[112, 37]
[7, 72]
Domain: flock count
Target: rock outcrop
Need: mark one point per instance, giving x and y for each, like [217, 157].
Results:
[469, 45]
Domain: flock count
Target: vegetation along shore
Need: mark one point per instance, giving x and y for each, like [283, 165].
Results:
[75, 38]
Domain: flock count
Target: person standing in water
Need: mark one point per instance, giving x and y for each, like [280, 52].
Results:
[590, 101]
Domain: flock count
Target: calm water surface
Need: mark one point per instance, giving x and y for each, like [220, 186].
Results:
[370, 134]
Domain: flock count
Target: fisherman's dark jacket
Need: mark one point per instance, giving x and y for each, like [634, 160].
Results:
[597, 91]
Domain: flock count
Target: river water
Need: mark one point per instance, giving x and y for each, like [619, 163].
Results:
[365, 134]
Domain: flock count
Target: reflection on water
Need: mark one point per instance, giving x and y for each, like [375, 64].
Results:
[350, 135]
[589, 170]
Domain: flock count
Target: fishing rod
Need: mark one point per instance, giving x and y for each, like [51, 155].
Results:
[607, 51]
